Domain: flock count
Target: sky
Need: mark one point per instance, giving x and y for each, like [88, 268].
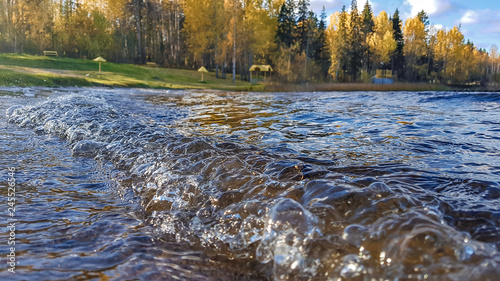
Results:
[479, 20]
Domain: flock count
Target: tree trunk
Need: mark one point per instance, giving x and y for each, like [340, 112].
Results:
[178, 29]
[234, 44]
[224, 69]
[141, 55]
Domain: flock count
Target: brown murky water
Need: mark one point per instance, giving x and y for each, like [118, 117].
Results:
[180, 185]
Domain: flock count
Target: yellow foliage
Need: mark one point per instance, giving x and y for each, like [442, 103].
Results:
[457, 59]
[336, 43]
[415, 37]
[198, 25]
[381, 41]
[332, 43]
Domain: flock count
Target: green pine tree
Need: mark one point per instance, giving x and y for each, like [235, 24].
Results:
[368, 23]
[368, 26]
[355, 40]
[322, 56]
[397, 58]
[302, 24]
[286, 24]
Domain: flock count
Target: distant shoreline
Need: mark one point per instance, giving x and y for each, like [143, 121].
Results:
[369, 87]
[275, 88]
[29, 71]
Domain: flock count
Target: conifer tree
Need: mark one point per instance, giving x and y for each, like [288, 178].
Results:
[283, 33]
[368, 23]
[356, 41]
[286, 24]
[424, 18]
[368, 26]
[322, 55]
[302, 24]
[398, 57]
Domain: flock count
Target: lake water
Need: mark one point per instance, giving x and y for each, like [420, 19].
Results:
[204, 185]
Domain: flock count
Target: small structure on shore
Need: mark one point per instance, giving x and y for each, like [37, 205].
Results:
[202, 70]
[383, 76]
[100, 60]
[257, 69]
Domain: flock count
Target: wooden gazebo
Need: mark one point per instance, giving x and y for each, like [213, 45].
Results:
[256, 68]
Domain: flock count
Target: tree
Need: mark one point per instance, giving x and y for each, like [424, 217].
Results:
[141, 51]
[356, 41]
[258, 34]
[368, 23]
[441, 48]
[198, 28]
[382, 42]
[320, 47]
[397, 59]
[13, 27]
[310, 67]
[286, 24]
[424, 18]
[284, 33]
[336, 37]
[495, 64]
[235, 33]
[368, 26]
[455, 60]
[303, 24]
[38, 26]
[415, 48]
[219, 28]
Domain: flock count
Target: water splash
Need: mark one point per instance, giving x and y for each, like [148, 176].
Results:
[259, 186]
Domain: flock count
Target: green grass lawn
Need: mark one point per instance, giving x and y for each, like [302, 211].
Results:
[28, 70]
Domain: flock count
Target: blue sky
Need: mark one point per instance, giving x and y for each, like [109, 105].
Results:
[479, 19]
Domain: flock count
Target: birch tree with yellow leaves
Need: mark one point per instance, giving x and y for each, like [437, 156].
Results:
[381, 41]
[415, 48]
[225, 35]
[494, 64]
[338, 45]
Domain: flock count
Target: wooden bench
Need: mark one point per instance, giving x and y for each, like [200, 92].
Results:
[151, 64]
[50, 53]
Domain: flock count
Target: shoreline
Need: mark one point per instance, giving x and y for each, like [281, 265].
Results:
[39, 71]
[308, 89]
[369, 87]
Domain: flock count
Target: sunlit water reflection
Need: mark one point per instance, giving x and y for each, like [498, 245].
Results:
[199, 185]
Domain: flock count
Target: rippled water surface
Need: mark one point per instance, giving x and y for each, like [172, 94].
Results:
[201, 185]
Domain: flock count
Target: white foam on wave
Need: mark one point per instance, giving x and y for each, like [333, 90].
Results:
[244, 202]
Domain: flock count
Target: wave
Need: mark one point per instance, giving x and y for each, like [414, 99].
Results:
[299, 217]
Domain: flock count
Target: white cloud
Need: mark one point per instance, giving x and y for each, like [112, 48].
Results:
[317, 5]
[482, 26]
[431, 7]
[435, 28]
[469, 17]
[361, 4]
[485, 19]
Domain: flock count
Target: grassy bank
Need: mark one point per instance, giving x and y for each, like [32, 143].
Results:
[27, 70]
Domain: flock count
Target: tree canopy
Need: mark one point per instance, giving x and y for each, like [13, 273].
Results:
[231, 35]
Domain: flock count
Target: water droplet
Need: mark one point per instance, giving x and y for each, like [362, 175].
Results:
[354, 234]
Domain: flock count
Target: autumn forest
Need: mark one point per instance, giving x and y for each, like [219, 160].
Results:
[228, 36]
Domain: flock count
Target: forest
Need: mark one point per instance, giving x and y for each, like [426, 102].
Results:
[228, 36]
